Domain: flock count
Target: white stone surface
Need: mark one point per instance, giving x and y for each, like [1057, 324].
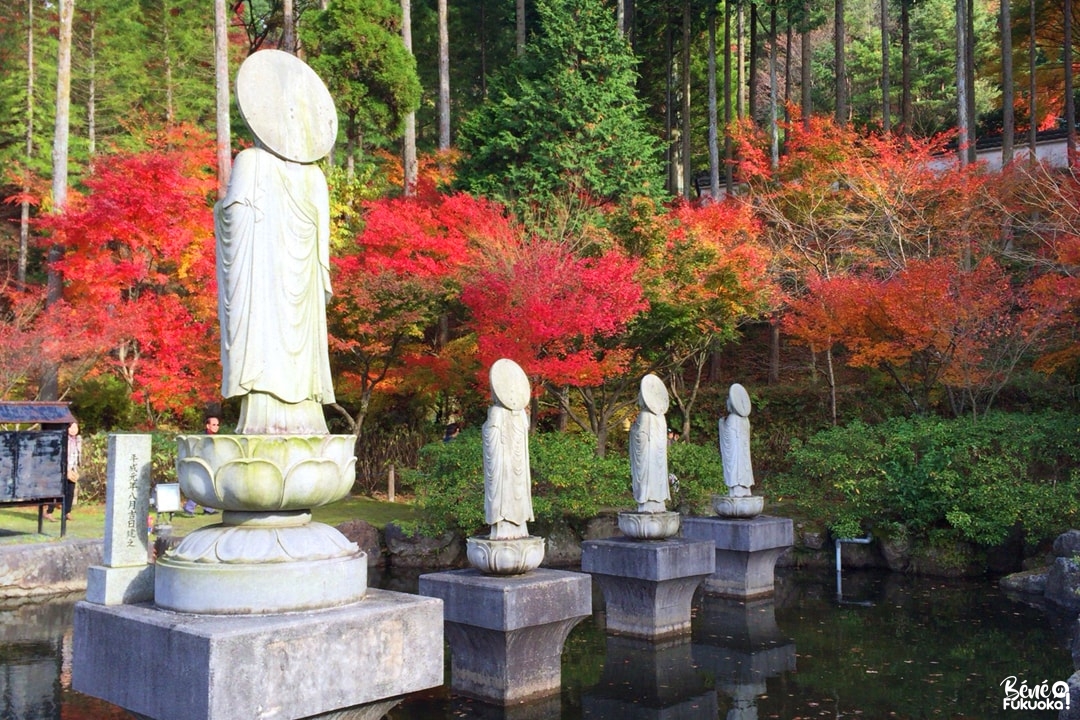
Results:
[735, 443]
[127, 500]
[119, 585]
[286, 105]
[505, 557]
[648, 447]
[174, 666]
[507, 478]
[259, 588]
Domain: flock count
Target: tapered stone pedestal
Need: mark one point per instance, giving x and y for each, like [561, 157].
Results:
[648, 680]
[176, 666]
[746, 552]
[506, 633]
[648, 586]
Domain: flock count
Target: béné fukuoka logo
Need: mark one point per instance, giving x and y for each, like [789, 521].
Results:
[1040, 696]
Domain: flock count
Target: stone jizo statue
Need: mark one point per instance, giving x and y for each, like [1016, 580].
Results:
[735, 443]
[273, 248]
[648, 447]
[507, 479]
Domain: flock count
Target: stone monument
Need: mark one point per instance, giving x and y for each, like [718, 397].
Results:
[266, 614]
[648, 577]
[747, 543]
[507, 619]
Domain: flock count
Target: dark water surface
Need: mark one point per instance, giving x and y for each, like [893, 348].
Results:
[892, 647]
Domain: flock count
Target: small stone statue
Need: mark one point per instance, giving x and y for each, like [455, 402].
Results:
[273, 251]
[648, 447]
[507, 480]
[735, 443]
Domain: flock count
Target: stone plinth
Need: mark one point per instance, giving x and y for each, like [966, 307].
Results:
[648, 680]
[506, 633]
[174, 666]
[648, 586]
[125, 576]
[746, 552]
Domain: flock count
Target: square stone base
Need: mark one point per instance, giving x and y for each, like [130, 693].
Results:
[506, 633]
[178, 666]
[649, 585]
[746, 552]
[119, 585]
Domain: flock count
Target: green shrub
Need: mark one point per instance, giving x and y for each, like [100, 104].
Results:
[699, 473]
[93, 471]
[973, 481]
[569, 482]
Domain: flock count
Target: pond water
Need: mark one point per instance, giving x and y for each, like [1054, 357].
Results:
[890, 647]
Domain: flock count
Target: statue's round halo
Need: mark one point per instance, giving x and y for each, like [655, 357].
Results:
[510, 384]
[740, 400]
[654, 395]
[286, 105]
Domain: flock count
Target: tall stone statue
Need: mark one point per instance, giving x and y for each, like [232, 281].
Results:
[507, 479]
[648, 447]
[273, 248]
[735, 443]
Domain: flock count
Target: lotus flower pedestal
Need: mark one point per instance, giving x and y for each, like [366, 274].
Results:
[266, 555]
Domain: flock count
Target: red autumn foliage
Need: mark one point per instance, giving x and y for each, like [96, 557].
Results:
[138, 270]
[550, 311]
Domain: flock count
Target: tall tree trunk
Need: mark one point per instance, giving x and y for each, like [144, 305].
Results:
[288, 27]
[969, 39]
[755, 50]
[714, 130]
[839, 41]
[444, 77]
[807, 55]
[24, 209]
[221, 84]
[1033, 117]
[91, 92]
[687, 159]
[774, 118]
[1008, 111]
[50, 387]
[1070, 101]
[788, 40]
[409, 140]
[906, 108]
[740, 52]
[671, 150]
[886, 88]
[963, 123]
[166, 39]
[729, 180]
[520, 38]
[774, 351]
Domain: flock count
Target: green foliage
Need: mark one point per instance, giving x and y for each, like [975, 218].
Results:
[356, 47]
[569, 481]
[699, 475]
[951, 479]
[564, 115]
[93, 471]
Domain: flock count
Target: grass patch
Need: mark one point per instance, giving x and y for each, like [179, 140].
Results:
[18, 525]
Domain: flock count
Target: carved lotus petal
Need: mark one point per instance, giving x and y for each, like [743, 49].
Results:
[196, 477]
[246, 546]
[264, 472]
[315, 480]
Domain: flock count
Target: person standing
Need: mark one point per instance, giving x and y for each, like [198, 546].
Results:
[71, 472]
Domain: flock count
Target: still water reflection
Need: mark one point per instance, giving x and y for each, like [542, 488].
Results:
[895, 647]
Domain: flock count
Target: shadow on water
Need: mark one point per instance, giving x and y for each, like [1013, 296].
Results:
[896, 647]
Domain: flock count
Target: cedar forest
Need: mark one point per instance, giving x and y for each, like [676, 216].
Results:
[522, 180]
